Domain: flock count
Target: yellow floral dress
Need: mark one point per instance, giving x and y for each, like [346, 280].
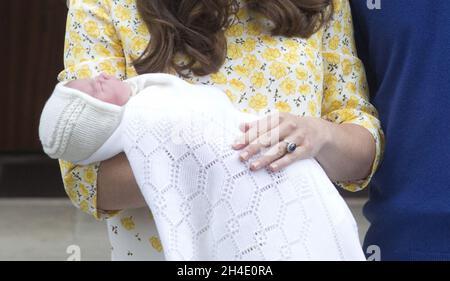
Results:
[320, 76]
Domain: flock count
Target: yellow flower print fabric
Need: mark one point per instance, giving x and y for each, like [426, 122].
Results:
[320, 76]
[345, 90]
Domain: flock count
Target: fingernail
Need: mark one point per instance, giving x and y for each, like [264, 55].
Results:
[239, 140]
[244, 155]
[255, 165]
[236, 145]
[273, 167]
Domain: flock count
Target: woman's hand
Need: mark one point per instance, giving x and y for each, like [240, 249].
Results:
[308, 133]
[345, 151]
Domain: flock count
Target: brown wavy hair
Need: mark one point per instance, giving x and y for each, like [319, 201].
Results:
[195, 29]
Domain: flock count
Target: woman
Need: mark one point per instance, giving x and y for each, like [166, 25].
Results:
[287, 56]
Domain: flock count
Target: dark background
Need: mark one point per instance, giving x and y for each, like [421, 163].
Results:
[32, 46]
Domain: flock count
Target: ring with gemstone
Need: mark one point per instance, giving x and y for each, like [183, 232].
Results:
[290, 147]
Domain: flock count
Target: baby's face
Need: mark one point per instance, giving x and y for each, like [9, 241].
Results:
[104, 87]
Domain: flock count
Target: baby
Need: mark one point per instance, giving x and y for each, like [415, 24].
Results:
[207, 204]
[81, 115]
[104, 87]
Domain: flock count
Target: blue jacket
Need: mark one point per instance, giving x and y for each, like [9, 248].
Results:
[405, 46]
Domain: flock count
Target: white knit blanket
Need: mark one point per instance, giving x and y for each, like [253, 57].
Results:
[206, 203]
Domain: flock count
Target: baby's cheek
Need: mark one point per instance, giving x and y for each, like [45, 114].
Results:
[106, 97]
[113, 95]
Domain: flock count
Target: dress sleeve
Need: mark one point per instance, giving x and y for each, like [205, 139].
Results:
[91, 47]
[346, 94]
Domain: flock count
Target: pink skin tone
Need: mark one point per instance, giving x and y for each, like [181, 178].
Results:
[104, 87]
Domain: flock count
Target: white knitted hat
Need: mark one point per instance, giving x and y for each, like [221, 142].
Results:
[74, 125]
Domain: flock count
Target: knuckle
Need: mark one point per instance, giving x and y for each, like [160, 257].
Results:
[264, 142]
[307, 145]
[299, 138]
[272, 133]
[253, 147]
[292, 125]
[265, 160]
[290, 159]
[280, 150]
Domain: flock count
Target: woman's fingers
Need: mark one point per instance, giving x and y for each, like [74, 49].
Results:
[275, 152]
[269, 132]
[268, 139]
[254, 129]
[278, 152]
[300, 153]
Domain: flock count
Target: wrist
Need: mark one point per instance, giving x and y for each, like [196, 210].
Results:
[328, 130]
[327, 133]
